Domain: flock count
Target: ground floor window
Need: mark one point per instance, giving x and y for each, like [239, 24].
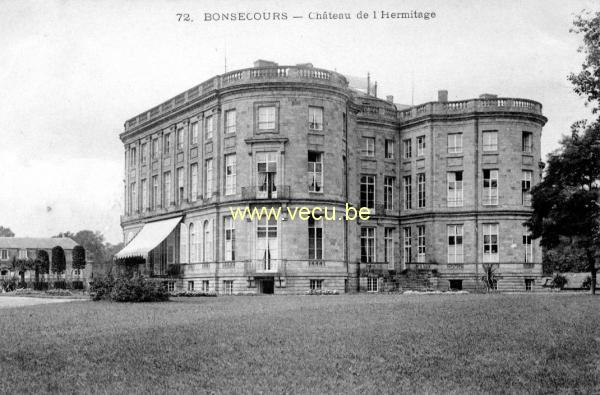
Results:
[528, 284]
[205, 285]
[456, 285]
[170, 286]
[190, 285]
[228, 287]
[372, 284]
[316, 284]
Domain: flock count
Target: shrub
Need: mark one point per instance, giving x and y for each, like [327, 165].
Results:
[59, 263]
[77, 284]
[9, 284]
[78, 257]
[322, 292]
[59, 292]
[60, 284]
[192, 293]
[587, 283]
[138, 289]
[101, 287]
[559, 281]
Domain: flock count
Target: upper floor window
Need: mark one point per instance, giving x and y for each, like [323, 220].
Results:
[315, 239]
[368, 146]
[490, 187]
[420, 145]
[407, 145]
[455, 188]
[154, 193]
[229, 239]
[388, 248]
[490, 140]
[167, 144]
[194, 133]
[388, 192]
[421, 190]
[389, 149]
[230, 121]
[315, 118]
[132, 156]
[367, 191]
[266, 117]
[230, 174]
[133, 198]
[180, 138]
[455, 145]
[367, 245]
[407, 180]
[145, 201]
[144, 153]
[194, 181]
[527, 245]
[315, 171]
[167, 190]
[527, 142]
[22, 254]
[490, 243]
[180, 185]
[455, 244]
[4, 255]
[208, 127]
[208, 178]
[526, 187]
[154, 148]
[421, 251]
[407, 245]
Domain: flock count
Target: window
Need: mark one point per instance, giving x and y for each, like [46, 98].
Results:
[367, 245]
[455, 143]
[170, 286]
[407, 148]
[315, 240]
[315, 118]
[230, 174]
[208, 178]
[208, 127]
[167, 144]
[194, 133]
[372, 284]
[367, 191]
[388, 250]
[267, 175]
[490, 187]
[207, 255]
[4, 255]
[154, 148]
[526, 187]
[421, 243]
[167, 190]
[180, 138]
[266, 117]
[528, 284]
[267, 243]
[389, 149]
[228, 287]
[368, 146]
[490, 140]
[145, 203]
[193, 243]
[421, 190]
[22, 254]
[190, 285]
[229, 239]
[527, 140]
[388, 192]
[155, 200]
[144, 153]
[316, 284]
[527, 246]
[183, 243]
[194, 181]
[230, 121]
[133, 198]
[407, 180]
[420, 145]
[132, 156]
[490, 243]
[455, 188]
[180, 185]
[455, 244]
[205, 285]
[407, 245]
[455, 285]
[315, 171]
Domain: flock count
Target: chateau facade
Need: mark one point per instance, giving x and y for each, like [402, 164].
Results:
[447, 184]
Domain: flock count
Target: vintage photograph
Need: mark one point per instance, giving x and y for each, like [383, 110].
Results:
[308, 197]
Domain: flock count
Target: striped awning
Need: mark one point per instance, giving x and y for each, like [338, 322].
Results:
[151, 235]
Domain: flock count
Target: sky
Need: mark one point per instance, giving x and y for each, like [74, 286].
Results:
[72, 72]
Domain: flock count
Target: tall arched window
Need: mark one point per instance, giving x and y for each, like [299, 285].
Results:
[207, 242]
[192, 243]
[183, 244]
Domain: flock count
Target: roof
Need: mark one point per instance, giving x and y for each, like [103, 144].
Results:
[37, 242]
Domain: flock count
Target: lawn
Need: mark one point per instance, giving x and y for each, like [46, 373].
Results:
[300, 344]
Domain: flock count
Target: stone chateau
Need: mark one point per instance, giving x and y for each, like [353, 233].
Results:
[447, 183]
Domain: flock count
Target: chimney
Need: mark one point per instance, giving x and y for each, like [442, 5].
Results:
[488, 96]
[390, 99]
[368, 83]
[375, 89]
[264, 63]
[443, 96]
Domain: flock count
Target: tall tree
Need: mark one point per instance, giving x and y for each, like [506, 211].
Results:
[42, 264]
[566, 204]
[587, 81]
[59, 263]
[78, 257]
[6, 232]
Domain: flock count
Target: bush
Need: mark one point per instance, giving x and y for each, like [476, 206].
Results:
[101, 287]
[587, 283]
[137, 289]
[8, 285]
[559, 281]
[77, 284]
[192, 293]
[59, 292]
[322, 292]
[40, 286]
[60, 284]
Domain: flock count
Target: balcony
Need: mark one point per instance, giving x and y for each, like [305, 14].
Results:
[374, 269]
[260, 193]
[260, 267]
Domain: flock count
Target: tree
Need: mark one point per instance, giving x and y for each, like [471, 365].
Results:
[566, 203]
[21, 265]
[42, 264]
[6, 232]
[587, 81]
[59, 263]
[78, 257]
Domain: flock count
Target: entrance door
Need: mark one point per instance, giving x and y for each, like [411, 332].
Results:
[267, 285]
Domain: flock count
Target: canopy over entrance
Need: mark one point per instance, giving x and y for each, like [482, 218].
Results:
[151, 235]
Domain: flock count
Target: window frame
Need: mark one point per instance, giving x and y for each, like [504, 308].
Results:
[388, 192]
[457, 143]
[492, 144]
[229, 128]
[407, 148]
[368, 190]
[368, 242]
[421, 145]
[421, 190]
[389, 148]
[368, 146]
[313, 122]
[314, 175]
[230, 174]
[490, 187]
[407, 245]
[421, 244]
[268, 124]
[455, 233]
[455, 194]
[491, 238]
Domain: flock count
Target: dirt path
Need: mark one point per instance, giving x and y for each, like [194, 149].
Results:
[21, 301]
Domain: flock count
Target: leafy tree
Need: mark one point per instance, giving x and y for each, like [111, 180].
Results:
[587, 81]
[564, 257]
[566, 203]
[59, 263]
[42, 264]
[78, 257]
[21, 265]
[6, 232]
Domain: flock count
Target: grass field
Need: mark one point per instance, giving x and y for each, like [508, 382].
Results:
[306, 344]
